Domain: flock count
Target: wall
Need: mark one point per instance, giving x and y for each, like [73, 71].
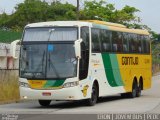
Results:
[9, 89]
[7, 62]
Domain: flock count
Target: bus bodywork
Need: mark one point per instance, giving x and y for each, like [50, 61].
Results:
[51, 70]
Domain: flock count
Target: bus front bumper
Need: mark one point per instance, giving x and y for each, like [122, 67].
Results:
[71, 93]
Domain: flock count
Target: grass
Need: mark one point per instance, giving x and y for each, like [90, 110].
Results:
[9, 90]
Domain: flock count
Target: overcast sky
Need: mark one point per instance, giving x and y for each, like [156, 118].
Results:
[149, 9]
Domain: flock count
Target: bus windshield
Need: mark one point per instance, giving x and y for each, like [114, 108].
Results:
[48, 53]
[48, 61]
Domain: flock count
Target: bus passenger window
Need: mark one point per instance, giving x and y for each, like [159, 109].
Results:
[125, 43]
[117, 42]
[132, 47]
[147, 45]
[144, 44]
[106, 40]
[136, 44]
[139, 44]
[96, 47]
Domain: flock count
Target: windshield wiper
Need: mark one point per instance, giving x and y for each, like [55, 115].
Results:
[53, 67]
[40, 64]
[43, 61]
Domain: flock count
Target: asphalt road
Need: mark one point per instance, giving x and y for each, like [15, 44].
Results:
[149, 102]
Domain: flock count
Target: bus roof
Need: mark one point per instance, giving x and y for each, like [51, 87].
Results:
[59, 23]
[107, 25]
[118, 27]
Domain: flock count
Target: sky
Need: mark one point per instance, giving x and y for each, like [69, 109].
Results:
[149, 9]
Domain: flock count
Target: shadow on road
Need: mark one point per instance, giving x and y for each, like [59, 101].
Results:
[82, 103]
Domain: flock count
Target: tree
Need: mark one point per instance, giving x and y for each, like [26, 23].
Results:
[37, 11]
[3, 20]
[107, 12]
[28, 12]
[59, 11]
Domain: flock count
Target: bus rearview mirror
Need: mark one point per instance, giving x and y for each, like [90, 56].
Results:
[78, 48]
[13, 48]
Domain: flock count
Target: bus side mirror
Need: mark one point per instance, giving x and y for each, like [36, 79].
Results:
[13, 48]
[78, 48]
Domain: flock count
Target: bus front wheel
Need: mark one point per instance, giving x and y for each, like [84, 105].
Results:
[94, 96]
[44, 102]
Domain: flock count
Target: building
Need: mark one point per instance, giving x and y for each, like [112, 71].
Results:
[7, 62]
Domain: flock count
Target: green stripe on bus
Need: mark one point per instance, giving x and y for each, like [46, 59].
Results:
[54, 83]
[49, 83]
[58, 83]
[116, 70]
[108, 70]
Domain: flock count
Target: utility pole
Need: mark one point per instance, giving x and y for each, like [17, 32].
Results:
[77, 9]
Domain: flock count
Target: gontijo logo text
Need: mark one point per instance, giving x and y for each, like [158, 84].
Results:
[130, 60]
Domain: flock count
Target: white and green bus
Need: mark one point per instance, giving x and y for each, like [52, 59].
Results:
[83, 60]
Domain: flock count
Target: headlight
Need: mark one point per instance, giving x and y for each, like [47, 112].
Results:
[71, 84]
[23, 84]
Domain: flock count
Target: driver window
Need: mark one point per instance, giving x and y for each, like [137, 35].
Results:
[84, 61]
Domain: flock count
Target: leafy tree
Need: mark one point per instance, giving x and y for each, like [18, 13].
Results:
[37, 11]
[107, 12]
[27, 12]
[3, 20]
[97, 10]
[59, 11]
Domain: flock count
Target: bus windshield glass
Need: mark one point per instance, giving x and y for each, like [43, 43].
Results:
[48, 53]
[48, 61]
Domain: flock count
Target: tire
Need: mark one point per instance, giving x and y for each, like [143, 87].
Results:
[44, 102]
[134, 90]
[139, 88]
[94, 96]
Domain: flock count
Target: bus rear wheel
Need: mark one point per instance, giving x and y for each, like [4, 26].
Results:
[139, 88]
[94, 96]
[133, 94]
[44, 102]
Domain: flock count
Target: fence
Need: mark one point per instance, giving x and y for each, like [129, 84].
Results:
[8, 67]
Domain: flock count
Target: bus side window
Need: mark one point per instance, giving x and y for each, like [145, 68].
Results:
[125, 43]
[96, 47]
[144, 44]
[147, 45]
[117, 42]
[139, 44]
[136, 44]
[132, 47]
[84, 61]
[106, 40]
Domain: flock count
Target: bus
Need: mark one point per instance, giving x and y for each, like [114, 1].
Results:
[83, 60]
